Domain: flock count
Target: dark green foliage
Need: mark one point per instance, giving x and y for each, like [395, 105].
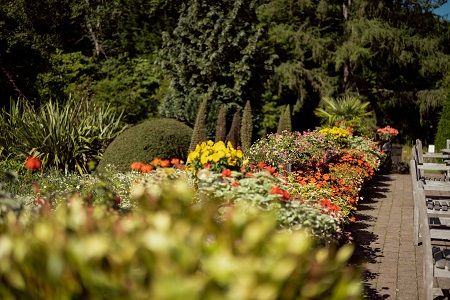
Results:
[199, 133]
[164, 138]
[443, 131]
[246, 127]
[64, 136]
[285, 122]
[221, 124]
[234, 133]
[213, 51]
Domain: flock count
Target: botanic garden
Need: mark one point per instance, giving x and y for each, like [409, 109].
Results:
[206, 149]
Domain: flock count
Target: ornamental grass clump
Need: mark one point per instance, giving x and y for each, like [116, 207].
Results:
[214, 156]
[66, 137]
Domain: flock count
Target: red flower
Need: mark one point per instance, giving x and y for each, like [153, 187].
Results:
[226, 173]
[261, 165]
[235, 183]
[32, 163]
[326, 203]
[270, 169]
[175, 161]
[249, 174]
[277, 191]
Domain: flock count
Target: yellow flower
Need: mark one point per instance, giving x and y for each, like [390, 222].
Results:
[204, 159]
[209, 143]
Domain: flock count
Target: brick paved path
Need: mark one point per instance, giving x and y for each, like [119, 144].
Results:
[383, 237]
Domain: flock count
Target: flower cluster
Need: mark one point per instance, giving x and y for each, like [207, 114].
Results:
[32, 163]
[282, 193]
[336, 133]
[387, 132]
[214, 156]
[157, 163]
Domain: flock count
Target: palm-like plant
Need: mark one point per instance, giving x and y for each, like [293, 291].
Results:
[347, 108]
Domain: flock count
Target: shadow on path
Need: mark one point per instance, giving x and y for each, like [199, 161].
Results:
[367, 246]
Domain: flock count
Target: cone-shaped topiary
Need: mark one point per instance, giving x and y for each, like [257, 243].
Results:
[443, 131]
[199, 133]
[221, 125]
[233, 134]
[164, 138]
[285, 122]
[246, 127]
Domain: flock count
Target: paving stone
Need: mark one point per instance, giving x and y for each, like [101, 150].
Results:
[396, 267]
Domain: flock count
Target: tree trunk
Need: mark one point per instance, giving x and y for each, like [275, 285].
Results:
[347, 64]
[10, 79]
[97, 47]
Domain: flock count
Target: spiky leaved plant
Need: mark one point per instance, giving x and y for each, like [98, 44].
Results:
[285, 123]
[246, 127]
[199, 133]
[233, 134]
[221, 124]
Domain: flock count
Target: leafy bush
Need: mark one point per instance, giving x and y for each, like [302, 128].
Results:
[443, 131]
[167, 249]
[65, 137]
[163, 138]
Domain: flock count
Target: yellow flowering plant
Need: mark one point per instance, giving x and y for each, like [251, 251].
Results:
[214, 156]
[336, 133]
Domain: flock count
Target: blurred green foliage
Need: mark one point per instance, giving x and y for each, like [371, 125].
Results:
[443, 131]
[168, 248]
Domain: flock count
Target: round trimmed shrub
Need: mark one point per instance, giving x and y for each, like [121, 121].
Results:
[163, 138]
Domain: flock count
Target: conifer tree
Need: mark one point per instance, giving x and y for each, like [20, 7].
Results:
[285, 123]
[246, 127]
[443, 131]
[233, 134]
[221, 124]
[199, 132]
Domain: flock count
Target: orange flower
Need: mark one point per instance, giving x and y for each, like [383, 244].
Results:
[249, 174]
[32, 163]
[136, 166]
[165, 163]
[261, 165]
[226, 173]
[146, 168]
[156, 162]
[175, 161]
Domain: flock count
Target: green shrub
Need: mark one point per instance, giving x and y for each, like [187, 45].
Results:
[66, 137]
[285, 122]
[164, 138]
[166, 249]
[443, 131]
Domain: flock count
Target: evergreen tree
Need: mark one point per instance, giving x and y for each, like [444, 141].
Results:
[199, 131]
[285, 122]
[234, 134]
[221, 124]
[213, 50]
[246, 127]
[443, 131]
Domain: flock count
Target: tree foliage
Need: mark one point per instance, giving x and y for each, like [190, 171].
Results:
[212, 52]
[443, 130]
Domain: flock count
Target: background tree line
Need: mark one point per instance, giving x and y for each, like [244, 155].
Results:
[163, 57]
